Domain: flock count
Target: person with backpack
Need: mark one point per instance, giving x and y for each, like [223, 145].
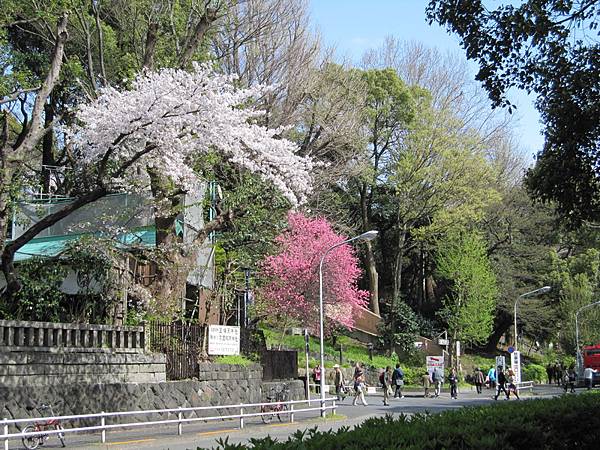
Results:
[398, 381]
[385, 379]
[438, 379]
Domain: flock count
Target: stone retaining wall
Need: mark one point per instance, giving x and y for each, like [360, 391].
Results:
[219, 384]
[49, 368]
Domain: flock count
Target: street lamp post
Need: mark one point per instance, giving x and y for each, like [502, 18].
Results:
[368, 236]
[579, 365]
[539, 291]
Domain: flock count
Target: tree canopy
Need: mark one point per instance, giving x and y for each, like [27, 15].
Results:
[550, 48]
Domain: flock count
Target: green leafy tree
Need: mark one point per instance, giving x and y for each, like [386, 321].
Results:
[520, 235]
[389, 109]
[406, 327]
[461, 259]
[550, 48]
[577, 284]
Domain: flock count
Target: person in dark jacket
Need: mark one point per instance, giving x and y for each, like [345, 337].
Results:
[501, 380]
[398, 381]
[453, 380]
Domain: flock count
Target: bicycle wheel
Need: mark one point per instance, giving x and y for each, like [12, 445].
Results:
[282, 415]
[266, 418]
[61, 436]
[31, 442]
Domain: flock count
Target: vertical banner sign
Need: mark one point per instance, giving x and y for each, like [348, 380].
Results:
[515, 363]
[223, 340]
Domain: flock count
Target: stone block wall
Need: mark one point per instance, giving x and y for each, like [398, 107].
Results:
[217, 385]
[52, 368]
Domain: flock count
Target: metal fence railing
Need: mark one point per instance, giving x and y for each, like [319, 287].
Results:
[240, 412]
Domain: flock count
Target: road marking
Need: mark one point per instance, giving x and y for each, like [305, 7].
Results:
[208, 433]
[280, 424]
[130, 442]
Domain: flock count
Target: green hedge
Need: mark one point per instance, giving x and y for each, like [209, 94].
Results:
[534, 372]
[565, 422]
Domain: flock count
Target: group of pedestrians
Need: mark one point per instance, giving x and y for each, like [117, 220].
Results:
[506, 383]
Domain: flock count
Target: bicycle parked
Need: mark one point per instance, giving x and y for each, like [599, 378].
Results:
[277, 398]
[32, 442]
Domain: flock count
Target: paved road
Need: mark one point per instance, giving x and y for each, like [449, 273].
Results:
[205, 435]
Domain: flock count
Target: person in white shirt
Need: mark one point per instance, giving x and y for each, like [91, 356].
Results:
[588, 374]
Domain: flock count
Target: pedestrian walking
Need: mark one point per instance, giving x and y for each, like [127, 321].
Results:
[492, 377]
[426, 381]
[565, 381]
[512, 386]
[453, 380]
[385, 378]
[572, 379]
[479, 379]
[438, 379]
[359, 385]
[557, 372]
[398, 381]
[338, 382]
[500, 383]
[317, 378]
[588, 375]
[550, 373]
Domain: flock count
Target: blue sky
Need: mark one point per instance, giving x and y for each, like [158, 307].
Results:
[354, 26]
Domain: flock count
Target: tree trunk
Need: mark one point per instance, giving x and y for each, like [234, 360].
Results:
[502, 323]
[48, 147]
[370, 254]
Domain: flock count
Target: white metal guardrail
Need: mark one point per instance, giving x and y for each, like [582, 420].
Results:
[6, 436]
[525, 385]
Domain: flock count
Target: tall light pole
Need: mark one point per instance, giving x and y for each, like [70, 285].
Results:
[368, 236]
[539, 291]
[577, 334]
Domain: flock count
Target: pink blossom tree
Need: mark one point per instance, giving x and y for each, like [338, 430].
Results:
[292, 291]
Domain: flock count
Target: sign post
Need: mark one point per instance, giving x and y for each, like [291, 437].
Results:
[306, 349]
[223, 340]
[515, 363]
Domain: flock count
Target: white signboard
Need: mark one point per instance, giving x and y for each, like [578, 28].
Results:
[443, 341]
[435, 362]
[500, 362]
[515, 363]
[223, 340]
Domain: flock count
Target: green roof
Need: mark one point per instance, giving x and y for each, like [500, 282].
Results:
[52, 246]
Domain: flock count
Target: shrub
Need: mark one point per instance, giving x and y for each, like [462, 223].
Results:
[234, 360]
[562, 422]
[534, 372]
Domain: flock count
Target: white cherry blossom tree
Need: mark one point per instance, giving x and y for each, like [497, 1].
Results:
[155, 131]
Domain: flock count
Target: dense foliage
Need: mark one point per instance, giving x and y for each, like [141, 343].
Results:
[550, 48]
[554, 423]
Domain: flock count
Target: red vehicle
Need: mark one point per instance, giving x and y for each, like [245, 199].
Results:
[591, 358]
